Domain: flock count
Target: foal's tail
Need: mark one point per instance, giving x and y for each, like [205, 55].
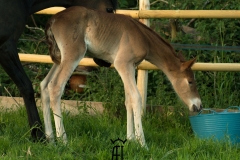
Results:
[52, 45]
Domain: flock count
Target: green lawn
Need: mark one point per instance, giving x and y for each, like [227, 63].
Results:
[168, 136]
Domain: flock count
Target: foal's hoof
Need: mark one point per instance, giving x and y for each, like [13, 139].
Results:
[145, 147]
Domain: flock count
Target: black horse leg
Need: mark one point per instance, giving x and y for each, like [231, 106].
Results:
[12, 65]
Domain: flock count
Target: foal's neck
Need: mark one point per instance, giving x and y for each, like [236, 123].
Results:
[163, 55]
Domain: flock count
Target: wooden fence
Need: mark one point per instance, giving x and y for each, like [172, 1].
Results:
[145, 13]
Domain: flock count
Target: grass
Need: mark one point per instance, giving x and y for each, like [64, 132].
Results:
[168, 136]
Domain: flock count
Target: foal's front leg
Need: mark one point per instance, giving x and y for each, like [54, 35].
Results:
[133, 101]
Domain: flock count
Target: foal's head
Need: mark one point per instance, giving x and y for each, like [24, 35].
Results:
[185, 86]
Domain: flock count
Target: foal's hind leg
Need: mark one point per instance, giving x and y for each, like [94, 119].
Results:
[71, 55]
[132, 100]
[46, 103]
[56, 88]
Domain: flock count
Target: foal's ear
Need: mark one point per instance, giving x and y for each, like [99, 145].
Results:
[187, 64]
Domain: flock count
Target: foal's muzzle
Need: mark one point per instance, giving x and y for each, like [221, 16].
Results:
[196, 109]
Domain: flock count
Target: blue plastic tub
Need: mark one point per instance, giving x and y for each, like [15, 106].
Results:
[218, 125]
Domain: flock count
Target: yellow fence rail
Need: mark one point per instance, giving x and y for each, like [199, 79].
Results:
[144, 14]
[145, 65]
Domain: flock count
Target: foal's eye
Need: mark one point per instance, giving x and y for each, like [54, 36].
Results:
[190, 82]
[109, 10]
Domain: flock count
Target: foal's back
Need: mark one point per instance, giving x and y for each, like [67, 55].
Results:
[102, 33]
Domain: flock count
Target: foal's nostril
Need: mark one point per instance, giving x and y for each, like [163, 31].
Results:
[196, 109]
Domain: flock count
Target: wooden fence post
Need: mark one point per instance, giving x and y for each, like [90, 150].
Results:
[142, 77]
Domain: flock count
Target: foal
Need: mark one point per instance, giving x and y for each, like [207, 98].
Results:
[117, 39]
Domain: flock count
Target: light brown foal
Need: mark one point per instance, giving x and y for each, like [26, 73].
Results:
[117, 39]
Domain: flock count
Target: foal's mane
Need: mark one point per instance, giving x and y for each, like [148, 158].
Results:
[150, 32]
